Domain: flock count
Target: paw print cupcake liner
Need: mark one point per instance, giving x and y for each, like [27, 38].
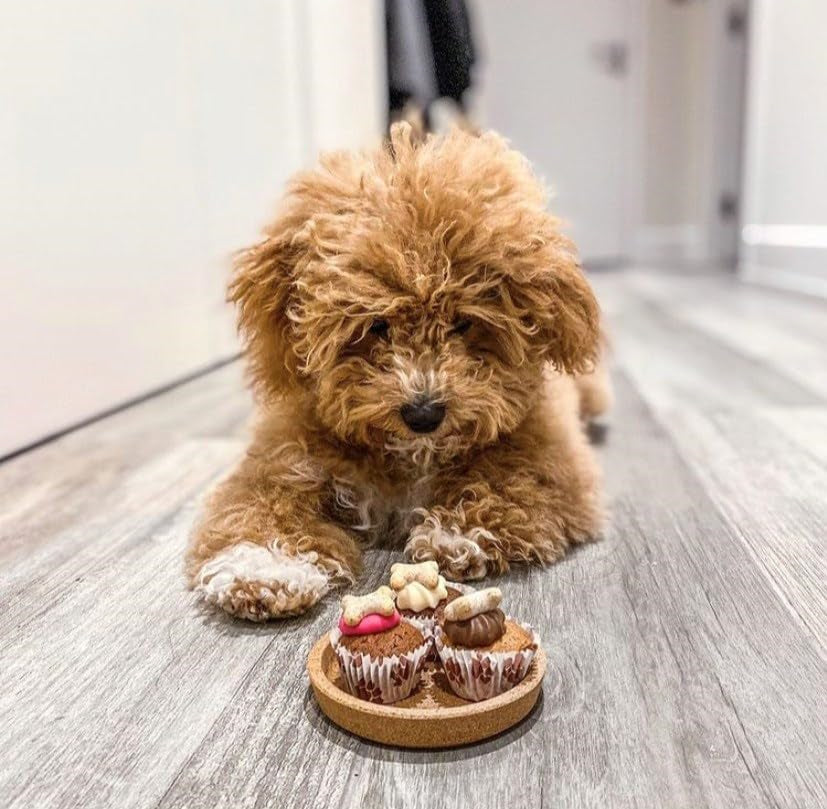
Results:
[381, 680]
[477, 674]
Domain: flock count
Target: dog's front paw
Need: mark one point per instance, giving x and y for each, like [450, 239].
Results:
[458, 554]
[259, 582]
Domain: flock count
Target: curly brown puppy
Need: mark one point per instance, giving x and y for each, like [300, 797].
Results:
[413, 320]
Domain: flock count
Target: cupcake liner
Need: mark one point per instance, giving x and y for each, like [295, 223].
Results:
[476, 675]
[425, 625]
[380, 679]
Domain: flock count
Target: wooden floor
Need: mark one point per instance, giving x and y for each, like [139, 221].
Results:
[687, 649]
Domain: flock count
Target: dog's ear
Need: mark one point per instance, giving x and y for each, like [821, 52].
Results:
[564, 314]
[572, 325]
[262, 288]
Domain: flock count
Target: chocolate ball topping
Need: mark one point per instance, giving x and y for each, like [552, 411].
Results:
[481, 630]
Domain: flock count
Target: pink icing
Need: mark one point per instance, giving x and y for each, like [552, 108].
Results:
[370, 624]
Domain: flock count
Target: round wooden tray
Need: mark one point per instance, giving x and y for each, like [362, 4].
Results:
[433, 716]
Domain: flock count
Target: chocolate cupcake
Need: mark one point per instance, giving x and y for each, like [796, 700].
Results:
[483, 652]
[421, 593]
[380, 655]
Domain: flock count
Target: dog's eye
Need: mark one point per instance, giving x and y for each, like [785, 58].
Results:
[380, 328]
[461, 326]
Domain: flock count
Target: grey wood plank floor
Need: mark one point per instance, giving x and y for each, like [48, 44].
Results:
[687, 648]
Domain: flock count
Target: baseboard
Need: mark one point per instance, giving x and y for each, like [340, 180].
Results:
[117, 408]
[670, 243]
[787, 257]
[789, 280]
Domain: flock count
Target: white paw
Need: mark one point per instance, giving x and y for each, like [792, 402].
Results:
[458, 554]
[258, 582]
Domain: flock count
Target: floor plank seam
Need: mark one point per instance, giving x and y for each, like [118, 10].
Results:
[733, 528]
[749, 359]
[236, 691]
[758, 782]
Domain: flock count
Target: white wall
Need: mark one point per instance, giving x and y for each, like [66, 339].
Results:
[674, 112]
[785, 185]
[140, 143]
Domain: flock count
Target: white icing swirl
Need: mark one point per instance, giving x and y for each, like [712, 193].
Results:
[416, 597]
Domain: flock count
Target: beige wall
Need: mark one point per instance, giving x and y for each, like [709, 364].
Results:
[675, 131]
[691, 129]
[675, 125]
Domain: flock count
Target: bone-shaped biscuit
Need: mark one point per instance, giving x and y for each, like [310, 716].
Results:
[380, 601]
[476, 603]
[426, 573]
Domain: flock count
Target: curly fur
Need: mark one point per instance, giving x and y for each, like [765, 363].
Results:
[423, 236]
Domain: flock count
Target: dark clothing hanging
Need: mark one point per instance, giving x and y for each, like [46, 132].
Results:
[430, 52]
[452, 46]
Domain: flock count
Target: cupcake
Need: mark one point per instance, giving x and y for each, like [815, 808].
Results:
[421, 594]
[483, 652]
[380, 655]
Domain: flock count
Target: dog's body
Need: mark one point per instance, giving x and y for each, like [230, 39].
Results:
[422, 339]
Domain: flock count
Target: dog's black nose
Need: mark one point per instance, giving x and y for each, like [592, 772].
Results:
[422, 415]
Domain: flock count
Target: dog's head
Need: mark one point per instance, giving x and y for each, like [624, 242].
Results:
[414, 294]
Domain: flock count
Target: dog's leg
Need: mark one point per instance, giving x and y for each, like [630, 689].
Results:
[512, 506]
[463, 552]
[522, 521]
[262, 549]
[594, 393]
[594, 390]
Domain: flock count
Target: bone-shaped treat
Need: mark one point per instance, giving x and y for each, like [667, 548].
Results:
[426, 573]
[476, 603]
[380, 602]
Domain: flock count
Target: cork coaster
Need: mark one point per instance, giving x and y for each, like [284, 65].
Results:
[432, 716]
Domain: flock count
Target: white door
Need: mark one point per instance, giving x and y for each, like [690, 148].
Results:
[555, 81]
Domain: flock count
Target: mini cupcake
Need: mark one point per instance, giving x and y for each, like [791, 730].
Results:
[421, 594]
[483, 652]
[380, 655]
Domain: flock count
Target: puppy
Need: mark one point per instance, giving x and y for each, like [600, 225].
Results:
[414, 326]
